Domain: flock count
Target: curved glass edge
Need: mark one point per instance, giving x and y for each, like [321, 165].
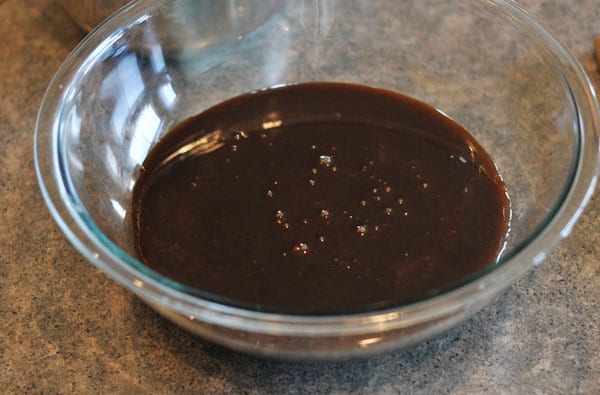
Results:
[155, 288]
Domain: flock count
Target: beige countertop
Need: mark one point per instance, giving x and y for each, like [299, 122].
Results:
[65, 327]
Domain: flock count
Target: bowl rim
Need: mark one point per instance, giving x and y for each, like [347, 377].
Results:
[82, 232]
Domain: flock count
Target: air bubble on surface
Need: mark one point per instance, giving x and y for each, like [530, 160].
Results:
[361, 230]
[279, 216]
[272, 124]
[326, 160]
[301, 248]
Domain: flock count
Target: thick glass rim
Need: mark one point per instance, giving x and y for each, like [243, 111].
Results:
[83, 233]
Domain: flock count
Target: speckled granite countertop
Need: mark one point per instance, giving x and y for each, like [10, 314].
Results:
[65, 327]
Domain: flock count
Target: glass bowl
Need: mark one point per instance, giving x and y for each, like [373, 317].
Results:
[487, 64]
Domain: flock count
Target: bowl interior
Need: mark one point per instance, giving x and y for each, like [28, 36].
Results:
[158, 63]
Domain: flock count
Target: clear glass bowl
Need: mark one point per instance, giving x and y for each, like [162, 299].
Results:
[487, 64]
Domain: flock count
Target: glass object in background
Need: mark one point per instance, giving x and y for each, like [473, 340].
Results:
[88, 14]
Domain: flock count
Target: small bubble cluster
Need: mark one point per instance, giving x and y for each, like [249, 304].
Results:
[326, 160]
[361, 230]
[279, 216]
[300, 248]
[376, 204]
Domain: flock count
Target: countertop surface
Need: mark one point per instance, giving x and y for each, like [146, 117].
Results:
[65, 327]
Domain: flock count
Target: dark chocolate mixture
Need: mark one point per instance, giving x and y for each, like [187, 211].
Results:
[319, 196]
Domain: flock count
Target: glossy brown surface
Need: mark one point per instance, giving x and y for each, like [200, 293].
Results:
[319, 197]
